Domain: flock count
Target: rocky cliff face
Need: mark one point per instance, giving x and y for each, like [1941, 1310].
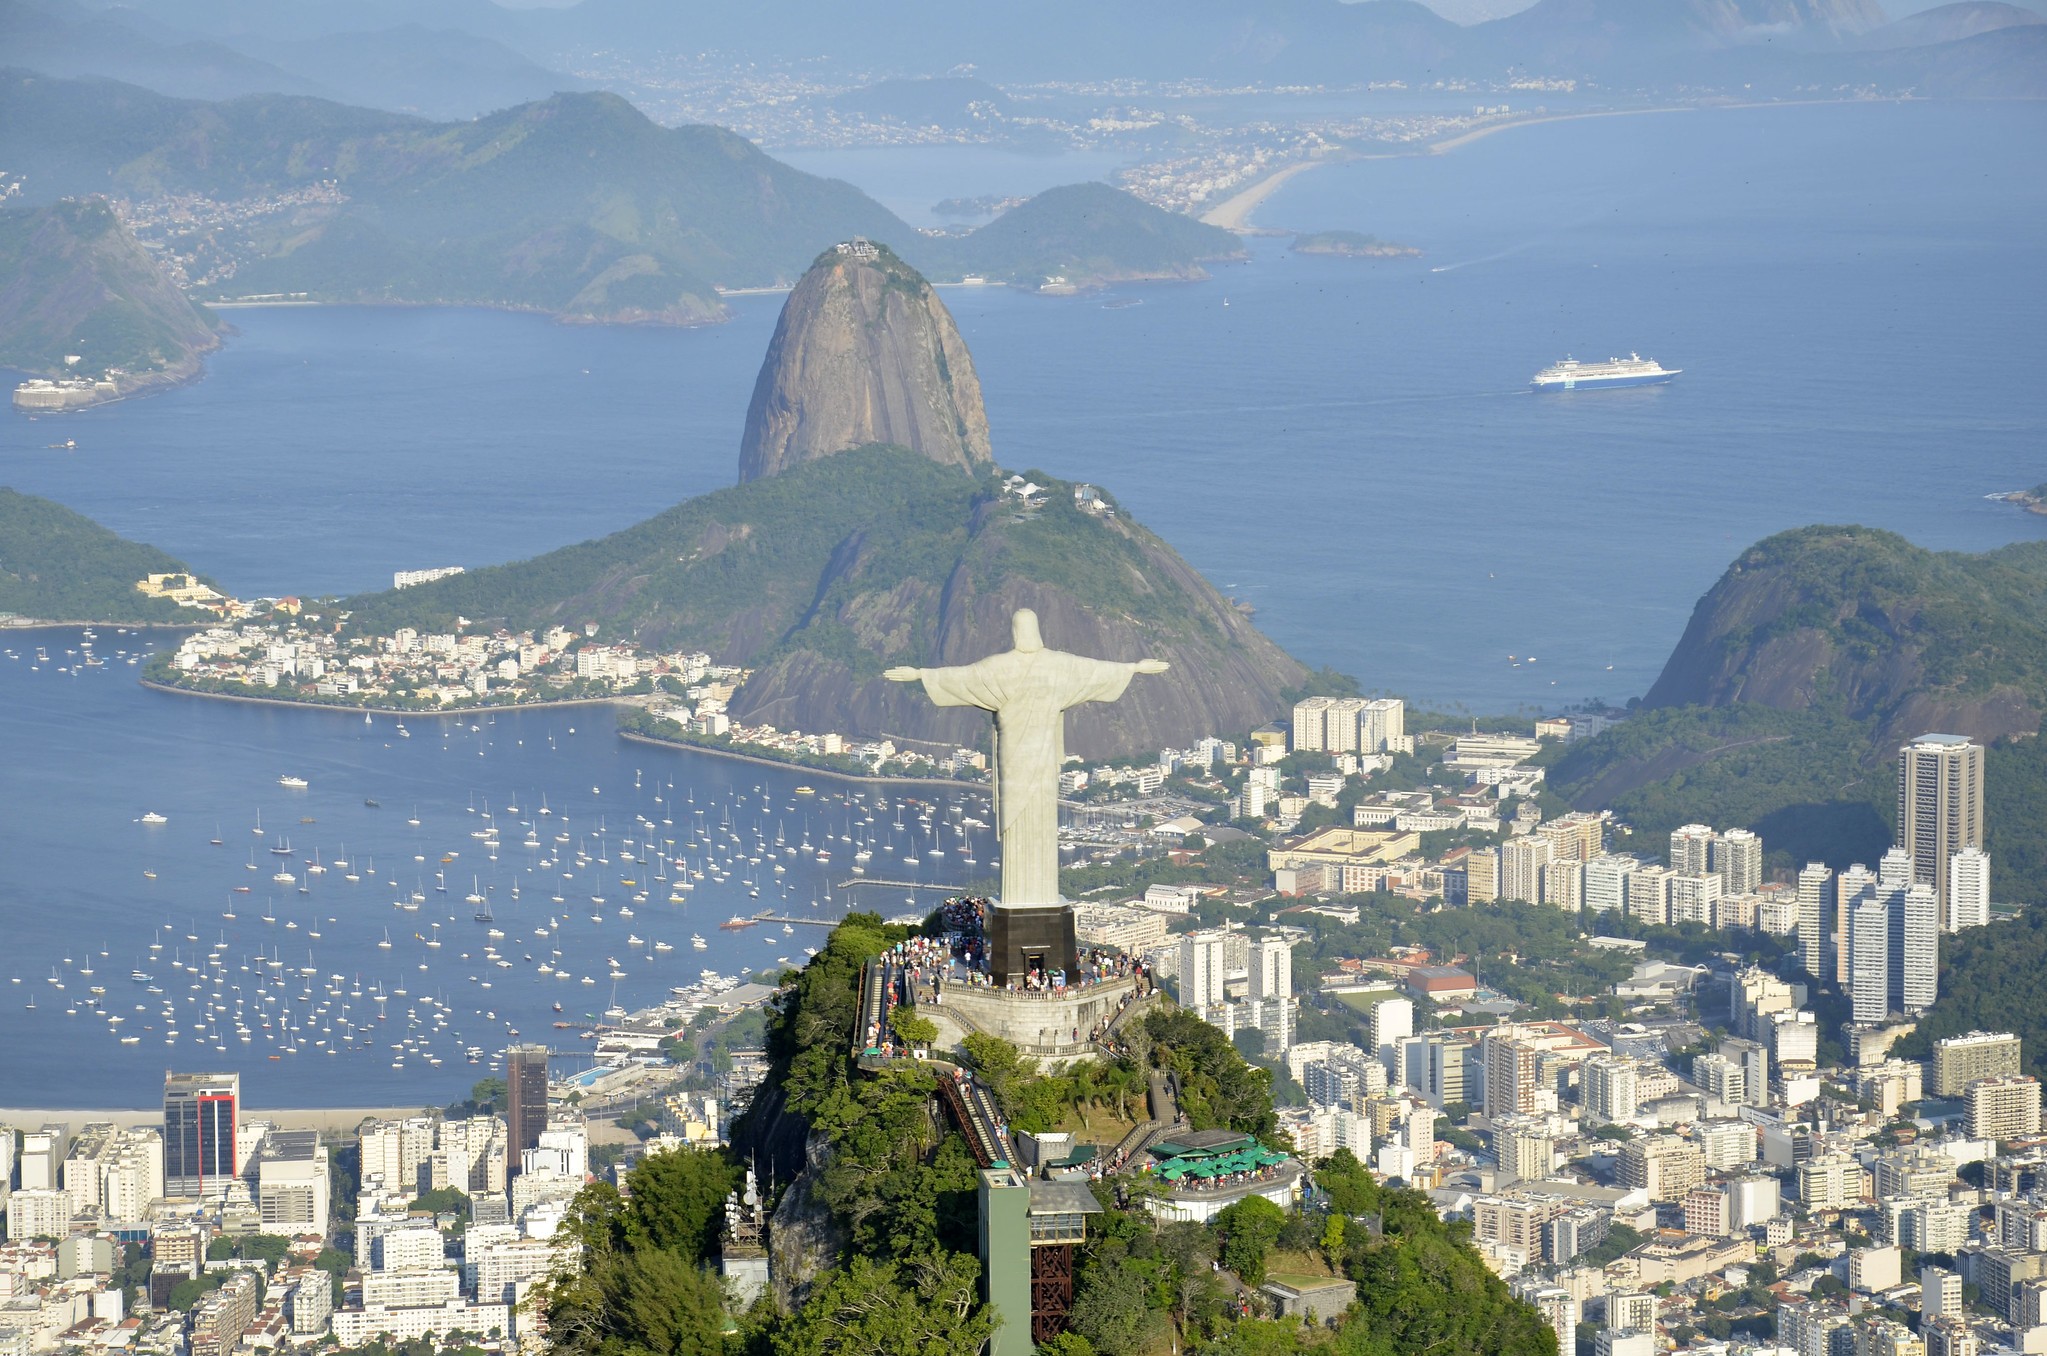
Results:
[864, 353]
[73, 281]
[1909, 639]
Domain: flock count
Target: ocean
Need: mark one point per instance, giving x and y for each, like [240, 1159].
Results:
[1348, 446]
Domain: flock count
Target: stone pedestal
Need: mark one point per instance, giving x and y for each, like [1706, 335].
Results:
[1030, 937]
[1051, 1028]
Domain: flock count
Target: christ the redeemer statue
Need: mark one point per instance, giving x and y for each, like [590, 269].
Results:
[1028, 690]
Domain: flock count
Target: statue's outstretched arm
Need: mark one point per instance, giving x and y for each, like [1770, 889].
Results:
[904, 673]
[1152, 666]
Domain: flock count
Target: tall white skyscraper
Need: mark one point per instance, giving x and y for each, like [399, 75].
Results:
[1272, 970]
[1691, 850]
[1851, 887]
[1894, 871]
[1392, 1022]
[1869, 959]
[1382, 723]
[1201, 969]
[1940, 803]
[1968, 889]
[1606, 883]
[1917, 948]
[1812, 919]
[1738, 859]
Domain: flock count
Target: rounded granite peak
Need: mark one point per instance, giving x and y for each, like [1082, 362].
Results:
[864, 353]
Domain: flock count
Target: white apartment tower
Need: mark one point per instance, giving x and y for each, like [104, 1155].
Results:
[1392, 1022]
[1968, 889]
[1916, 934]
[1940, 803]
[1202, 967]
[1606, 883]
[1869, 960]
[1738, 860]
[1812, 919]
[1691, 850]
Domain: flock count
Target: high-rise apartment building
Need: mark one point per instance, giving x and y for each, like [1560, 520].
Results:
[2002, 1108]
[1271, 970]
[1311, 715]
[1513, 1073]
[1738, 861]
[1563, 884]
[1203, 963]
[1609, 1088]
[1959, 1061]
[1869, 965]
[1940, 804]
[1915, 933]
[1649, 894]
[1968, 889]
[525, 1098]
[200, 1113]
[1521, 864]
[1392, 1021]
[1606, 883]
[1382, 725]
[1691, 850]
[1813, 919]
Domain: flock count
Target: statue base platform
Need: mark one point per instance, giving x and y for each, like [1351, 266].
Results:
[1030, 938]
[1051, 1028]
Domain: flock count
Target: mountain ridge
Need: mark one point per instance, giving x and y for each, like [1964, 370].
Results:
[577, 205]
[826, 574]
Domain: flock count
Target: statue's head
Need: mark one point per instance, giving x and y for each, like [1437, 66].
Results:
[1024, 631]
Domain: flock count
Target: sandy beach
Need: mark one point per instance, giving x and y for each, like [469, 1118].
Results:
[1234, 212]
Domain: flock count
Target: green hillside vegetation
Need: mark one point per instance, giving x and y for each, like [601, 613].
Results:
[74, 282]
[895, 1189]
[1804, 668]
[823, 576]
[1805, 780]
[577, 204]
[1086, 233]
[56, 565]
[736, 572]
[1865, 617]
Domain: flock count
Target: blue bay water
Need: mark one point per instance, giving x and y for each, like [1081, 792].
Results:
[1853, 292]
[86, 886]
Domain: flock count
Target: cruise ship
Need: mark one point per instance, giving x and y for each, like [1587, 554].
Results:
[1633, 370]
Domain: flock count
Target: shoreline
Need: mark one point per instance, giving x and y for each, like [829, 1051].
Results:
[424, 712]
[614, 702]
[1234, 213]
[945, 782]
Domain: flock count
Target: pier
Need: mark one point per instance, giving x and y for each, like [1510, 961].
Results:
[898, 885]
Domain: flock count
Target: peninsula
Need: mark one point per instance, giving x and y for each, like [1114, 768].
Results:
[87, 310]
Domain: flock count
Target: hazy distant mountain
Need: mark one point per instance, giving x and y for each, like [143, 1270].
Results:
[438, 72]
[1950, 23]
[577, 205]
[435, 72]
[2004, 63]
[1634, 38]
[926, 44]
[59, 37]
